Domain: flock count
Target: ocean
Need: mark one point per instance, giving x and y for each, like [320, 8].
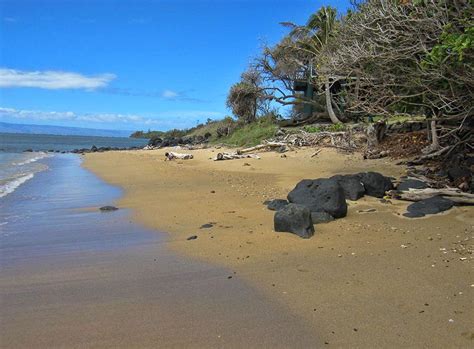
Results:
[17, 166]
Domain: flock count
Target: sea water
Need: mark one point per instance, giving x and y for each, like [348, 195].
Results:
[18, 166]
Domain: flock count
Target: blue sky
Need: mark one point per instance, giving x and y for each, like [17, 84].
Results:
[132, 65]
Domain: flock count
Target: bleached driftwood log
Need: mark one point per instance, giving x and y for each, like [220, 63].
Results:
[376, 154]
[172, 156]
[452, 194]
[339, 140]
[232, 156]
[262, 146]
[316, 152]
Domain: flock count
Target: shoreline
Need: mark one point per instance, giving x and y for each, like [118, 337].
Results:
[72, 276]
[351, 282]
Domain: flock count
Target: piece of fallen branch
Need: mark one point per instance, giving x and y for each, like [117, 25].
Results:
[414, 175]
[316, 152]
[262, 146]
[452, 194]
[172, 156]
[435, 154]
[376, 155]
[233, 156]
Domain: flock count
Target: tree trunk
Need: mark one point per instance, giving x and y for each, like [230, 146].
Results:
[434, 135]
[452, 194]
[330, 110]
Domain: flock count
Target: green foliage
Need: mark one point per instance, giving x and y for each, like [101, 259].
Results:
[149, 134]
[452, 46]
[212, 128]
[252, 134]
[312, 129]
[242, 100]
[337, 127]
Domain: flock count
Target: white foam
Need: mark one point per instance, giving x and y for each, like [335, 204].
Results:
[10, 187]
[33, 159]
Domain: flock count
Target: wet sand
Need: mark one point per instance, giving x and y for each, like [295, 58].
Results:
[73, 277]
[368, 280]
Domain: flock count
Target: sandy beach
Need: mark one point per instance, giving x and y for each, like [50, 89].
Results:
[74, 277]
[372, 279]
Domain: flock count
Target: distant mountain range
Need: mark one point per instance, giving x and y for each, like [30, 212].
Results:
[60, 130]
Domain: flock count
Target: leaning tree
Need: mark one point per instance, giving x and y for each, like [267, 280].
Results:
[295, 58]
[412, 57]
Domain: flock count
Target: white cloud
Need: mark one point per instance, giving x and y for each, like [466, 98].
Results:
[168, 94]
[53, 80]
[170, 119]
[9, 19]
[71, 116]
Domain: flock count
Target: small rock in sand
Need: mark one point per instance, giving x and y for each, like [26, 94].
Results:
[108, 208]
[367, 210]
[192, 237]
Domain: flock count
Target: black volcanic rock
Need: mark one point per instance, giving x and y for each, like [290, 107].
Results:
[276, 204]
[352, 186]
[108, 208]
[432, 205]
[375, 184]
[294, 219]
[411, 184]
[320, 195]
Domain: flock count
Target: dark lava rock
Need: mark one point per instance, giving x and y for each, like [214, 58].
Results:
[192, 237]
[320, 195]
[321, 217]
[276, 204]
[206, 226]
[294, 219]
[375, 184]
[28, 150]
[108, 208]
[432, 205]
[412, 184]
[94, 149]
[457, 172]
[352, 186]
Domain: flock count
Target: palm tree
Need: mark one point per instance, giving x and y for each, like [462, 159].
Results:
[312, 38]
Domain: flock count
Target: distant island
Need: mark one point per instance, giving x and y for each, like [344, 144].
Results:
[6, 127]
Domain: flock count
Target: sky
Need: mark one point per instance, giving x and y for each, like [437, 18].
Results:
[132, 64]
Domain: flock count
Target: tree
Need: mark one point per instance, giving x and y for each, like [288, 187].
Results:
[246, 96]
[412, 57]
[293, 59]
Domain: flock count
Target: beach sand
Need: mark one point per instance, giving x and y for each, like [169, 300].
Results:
[368, 280]
[74, 277]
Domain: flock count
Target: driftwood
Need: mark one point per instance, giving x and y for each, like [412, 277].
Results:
[452, 194]
[435, 154]
[375, 133]
[414, 175]
[340, 140]
[262, 146]
[316, 152]
[233, 156]
[376, 154]
[172, 156]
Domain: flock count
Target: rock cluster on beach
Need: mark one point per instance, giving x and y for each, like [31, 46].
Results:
[95, 149]
[321, 200]
[159, 142]
[92, 149]
[324, 199]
